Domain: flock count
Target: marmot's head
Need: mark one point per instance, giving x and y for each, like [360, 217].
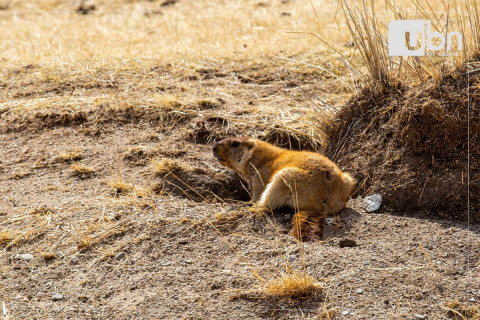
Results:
[234, 152]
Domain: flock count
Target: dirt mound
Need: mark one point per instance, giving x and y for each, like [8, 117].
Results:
[411, 145]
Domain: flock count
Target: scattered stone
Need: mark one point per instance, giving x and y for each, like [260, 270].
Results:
[120, 255]
[165, 264]
[74, 259]
[57, 297]
[287, 217]
[17, 267]
[188, 261]
[345, 313]
[360, 291]
[168, 3]
[419, 316]
[25, 256]
[292, 258]
[347, 243]
[328, 220]
[372, 203]
[472, 299]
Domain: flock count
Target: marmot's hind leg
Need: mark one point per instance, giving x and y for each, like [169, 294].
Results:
[307, 227]
[281, 190]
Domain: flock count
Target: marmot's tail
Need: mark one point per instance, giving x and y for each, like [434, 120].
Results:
[307, 226]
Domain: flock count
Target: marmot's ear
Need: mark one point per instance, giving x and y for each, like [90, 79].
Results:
[250, 144]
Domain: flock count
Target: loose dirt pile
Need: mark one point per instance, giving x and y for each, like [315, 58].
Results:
[411, 145]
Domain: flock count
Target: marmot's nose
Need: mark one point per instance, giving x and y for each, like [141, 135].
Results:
[215, 148]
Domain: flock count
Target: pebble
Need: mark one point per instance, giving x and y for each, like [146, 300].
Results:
[188, 261]
[120, 255]
[345, 313]
[25, 256]
[419, 316]
[57, 297]
[74, 259]
[372, 203]
[292, 258]
[359, 291]
[328, 220]
[347, 243]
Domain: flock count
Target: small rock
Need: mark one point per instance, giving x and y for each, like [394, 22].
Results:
[472, 299]
[25, 256]
[287, 217]
[74, 259]
[168, 3]
[120, 255]
[17, 267]
[345, 313]
[372, 203]
[292, 258]
[419, 316]
[440, 287]
[328, 220]
[347, 243]
[57, 297]
[360, 291]
[188, 261]
[164, 264]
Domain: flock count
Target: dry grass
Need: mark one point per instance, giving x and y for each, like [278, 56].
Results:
[7, 236]
[369, 27]
[82, 170]
[291, 284]
[459, 311]
[165, 166]
[119, 186]
[70, 156]
[188, 31]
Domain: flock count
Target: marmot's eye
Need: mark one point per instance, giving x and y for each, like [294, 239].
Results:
[235, 144]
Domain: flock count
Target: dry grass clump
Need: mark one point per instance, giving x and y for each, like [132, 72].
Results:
[368, 29]
[70, 156]
[82, 171]
[458, 311]
[120, 187]
[291, 284]
[165, 166]
[48, 256]
[7, 236]
[43, 210]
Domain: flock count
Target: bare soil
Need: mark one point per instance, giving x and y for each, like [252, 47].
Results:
[184, 245]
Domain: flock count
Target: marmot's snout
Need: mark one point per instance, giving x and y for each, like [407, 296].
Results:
[218, 151]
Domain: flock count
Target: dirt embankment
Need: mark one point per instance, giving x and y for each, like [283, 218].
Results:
[411, 145]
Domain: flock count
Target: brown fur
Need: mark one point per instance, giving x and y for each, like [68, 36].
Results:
[306, 181]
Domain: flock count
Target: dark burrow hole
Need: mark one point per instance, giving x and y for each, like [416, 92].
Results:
[203, 185]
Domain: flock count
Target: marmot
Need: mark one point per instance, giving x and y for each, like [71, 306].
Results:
[306, 181]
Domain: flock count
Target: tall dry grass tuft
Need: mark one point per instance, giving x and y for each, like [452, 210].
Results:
[291, 284]
[368, 25]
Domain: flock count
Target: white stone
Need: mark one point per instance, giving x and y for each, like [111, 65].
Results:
[372, 203]
[25, 256]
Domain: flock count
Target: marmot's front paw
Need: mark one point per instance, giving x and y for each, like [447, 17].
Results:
[258, 209]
